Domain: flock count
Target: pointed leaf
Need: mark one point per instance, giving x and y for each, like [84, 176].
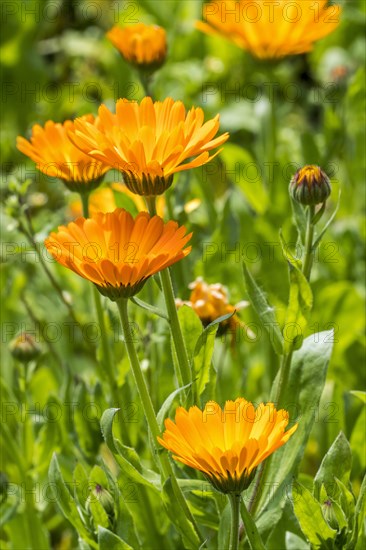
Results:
[335, 464]
[109, 541]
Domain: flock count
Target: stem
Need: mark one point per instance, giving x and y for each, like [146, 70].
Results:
[235, 517]
[166, 468]
[184, 371]
[251, 530]
[309, 253]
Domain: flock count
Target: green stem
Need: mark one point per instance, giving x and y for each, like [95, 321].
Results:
[235, 517]
[166, 467]
[309, 238]
[184, 371]
[251, 530]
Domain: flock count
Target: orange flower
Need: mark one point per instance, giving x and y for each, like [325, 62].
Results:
[116, 252]
[273, 29]
[142, 45]
[56, 156]
[211, 302]
[226, 445]
[149, 142]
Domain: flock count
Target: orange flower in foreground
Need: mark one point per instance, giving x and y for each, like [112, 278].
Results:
[143, 45]
[226, 445]
[149, 142]
[56, 156]
[271, 29]
[116, 252]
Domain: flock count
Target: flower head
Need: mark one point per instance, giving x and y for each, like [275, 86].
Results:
[56, 156]
[211, 302]
[142, 45]
[272, 30]
[226, 445]
[149, 142]
[116, 252]
[310, 185]
[24, 347]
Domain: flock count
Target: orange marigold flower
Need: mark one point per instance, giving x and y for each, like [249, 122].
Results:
[273, 29]
[56, 156]
[142, 45]
[226, 445]
[149, 142]
[116, 252]
[211, 302]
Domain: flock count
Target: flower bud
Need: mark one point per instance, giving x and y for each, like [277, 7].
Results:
[329, 514]
[104, 497]
[24, 347]
[310, 185]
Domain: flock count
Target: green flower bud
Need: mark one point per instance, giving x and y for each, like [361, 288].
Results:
[104, 497]
[24, 347]
[310, 185]
[329, 514]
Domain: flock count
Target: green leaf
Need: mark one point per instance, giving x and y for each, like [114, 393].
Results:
[191, 328]
[100, 517]
[309, 513]
[150, 308]
[109, 541]
[359, 514]
[293, 542]
[336, 464]
[224, 530]
[241, 169]
[301, 399]
[360, 394]
[66, 502]
[106, 425]
[264, 311]
[164, 409]
[202, 356]
[81, 483]
[178, 517]
[322, 233]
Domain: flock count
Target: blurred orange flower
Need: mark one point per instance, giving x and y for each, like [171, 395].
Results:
[140, 44]
[271, 29]
[56, 156]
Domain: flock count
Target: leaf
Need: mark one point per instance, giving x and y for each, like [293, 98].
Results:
[100, 517]
[106, 425]
[66, 502]
[109, 541]
[202, 356]
[177, 516]
[164, 409]
[81, 484]
[242, 170]
[264, 311]
[150, 308]
[301, 399]
[224, 532]
[359, 514]
[309, 513]
[360, 394]
[321, 234]
[293, 542]
[336, 464]
[191, 328]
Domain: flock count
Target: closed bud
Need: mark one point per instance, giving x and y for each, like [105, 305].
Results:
[329, 514]
[104, 497]
[24, 347]
[310, 185]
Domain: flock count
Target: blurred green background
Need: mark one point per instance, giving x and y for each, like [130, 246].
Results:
[57, 64]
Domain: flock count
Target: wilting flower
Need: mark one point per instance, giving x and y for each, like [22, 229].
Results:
[116, 252]
[310, 185]
[272, 29]
[149, 142]
[226, 445]
[142, 45]
[211, 302]
[56, 156]
[107, 199]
